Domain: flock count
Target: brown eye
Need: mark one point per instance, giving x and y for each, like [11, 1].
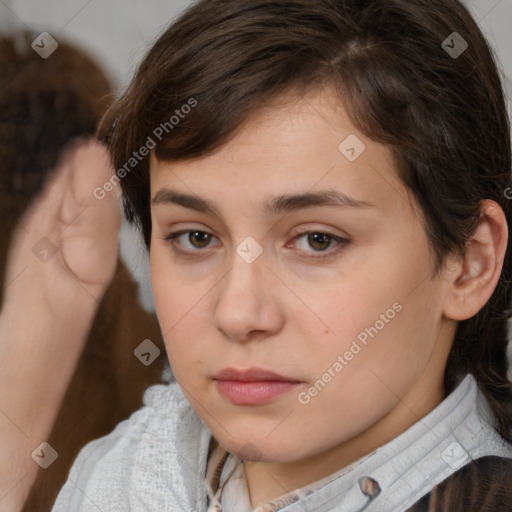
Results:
[190, 240]
[319, 241]
[200, 237]
[319, 244]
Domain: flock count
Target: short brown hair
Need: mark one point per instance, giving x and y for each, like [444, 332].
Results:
[442, 115]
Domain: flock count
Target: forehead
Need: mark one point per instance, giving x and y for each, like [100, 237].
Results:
[293, 145]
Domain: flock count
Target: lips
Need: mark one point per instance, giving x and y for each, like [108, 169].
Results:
[251, 375]
[255, 386]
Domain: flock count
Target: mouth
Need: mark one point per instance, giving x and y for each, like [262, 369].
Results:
[254, 386]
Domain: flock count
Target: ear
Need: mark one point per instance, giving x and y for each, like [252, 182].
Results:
[473, 278]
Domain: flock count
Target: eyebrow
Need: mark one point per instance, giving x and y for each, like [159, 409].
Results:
[277, 205]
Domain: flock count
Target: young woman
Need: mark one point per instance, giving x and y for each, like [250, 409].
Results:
[322, 188]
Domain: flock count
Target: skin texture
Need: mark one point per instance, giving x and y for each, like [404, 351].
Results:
[293, 314]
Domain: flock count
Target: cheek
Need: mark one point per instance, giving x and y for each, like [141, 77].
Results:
[181, 306]
[357, 375]
[384, 316]
[171, 297]
[175, 294]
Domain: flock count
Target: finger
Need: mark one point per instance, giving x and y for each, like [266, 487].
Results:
[90, 226]
[91, 170]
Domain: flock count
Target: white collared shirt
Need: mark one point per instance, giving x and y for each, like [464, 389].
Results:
[157, 461]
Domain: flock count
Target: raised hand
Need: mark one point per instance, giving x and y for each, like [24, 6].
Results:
[62, 257]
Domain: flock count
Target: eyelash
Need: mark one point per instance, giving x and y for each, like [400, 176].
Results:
[341, 242]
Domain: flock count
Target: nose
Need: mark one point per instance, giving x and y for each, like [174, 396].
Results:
[248, 301]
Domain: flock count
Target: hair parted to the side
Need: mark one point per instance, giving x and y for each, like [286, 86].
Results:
[443, 118]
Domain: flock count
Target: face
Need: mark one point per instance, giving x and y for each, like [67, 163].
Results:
[296, 249]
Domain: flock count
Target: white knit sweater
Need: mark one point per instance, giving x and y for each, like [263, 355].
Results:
[156, 460]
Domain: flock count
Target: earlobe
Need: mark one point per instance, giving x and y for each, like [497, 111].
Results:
[478, 271]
